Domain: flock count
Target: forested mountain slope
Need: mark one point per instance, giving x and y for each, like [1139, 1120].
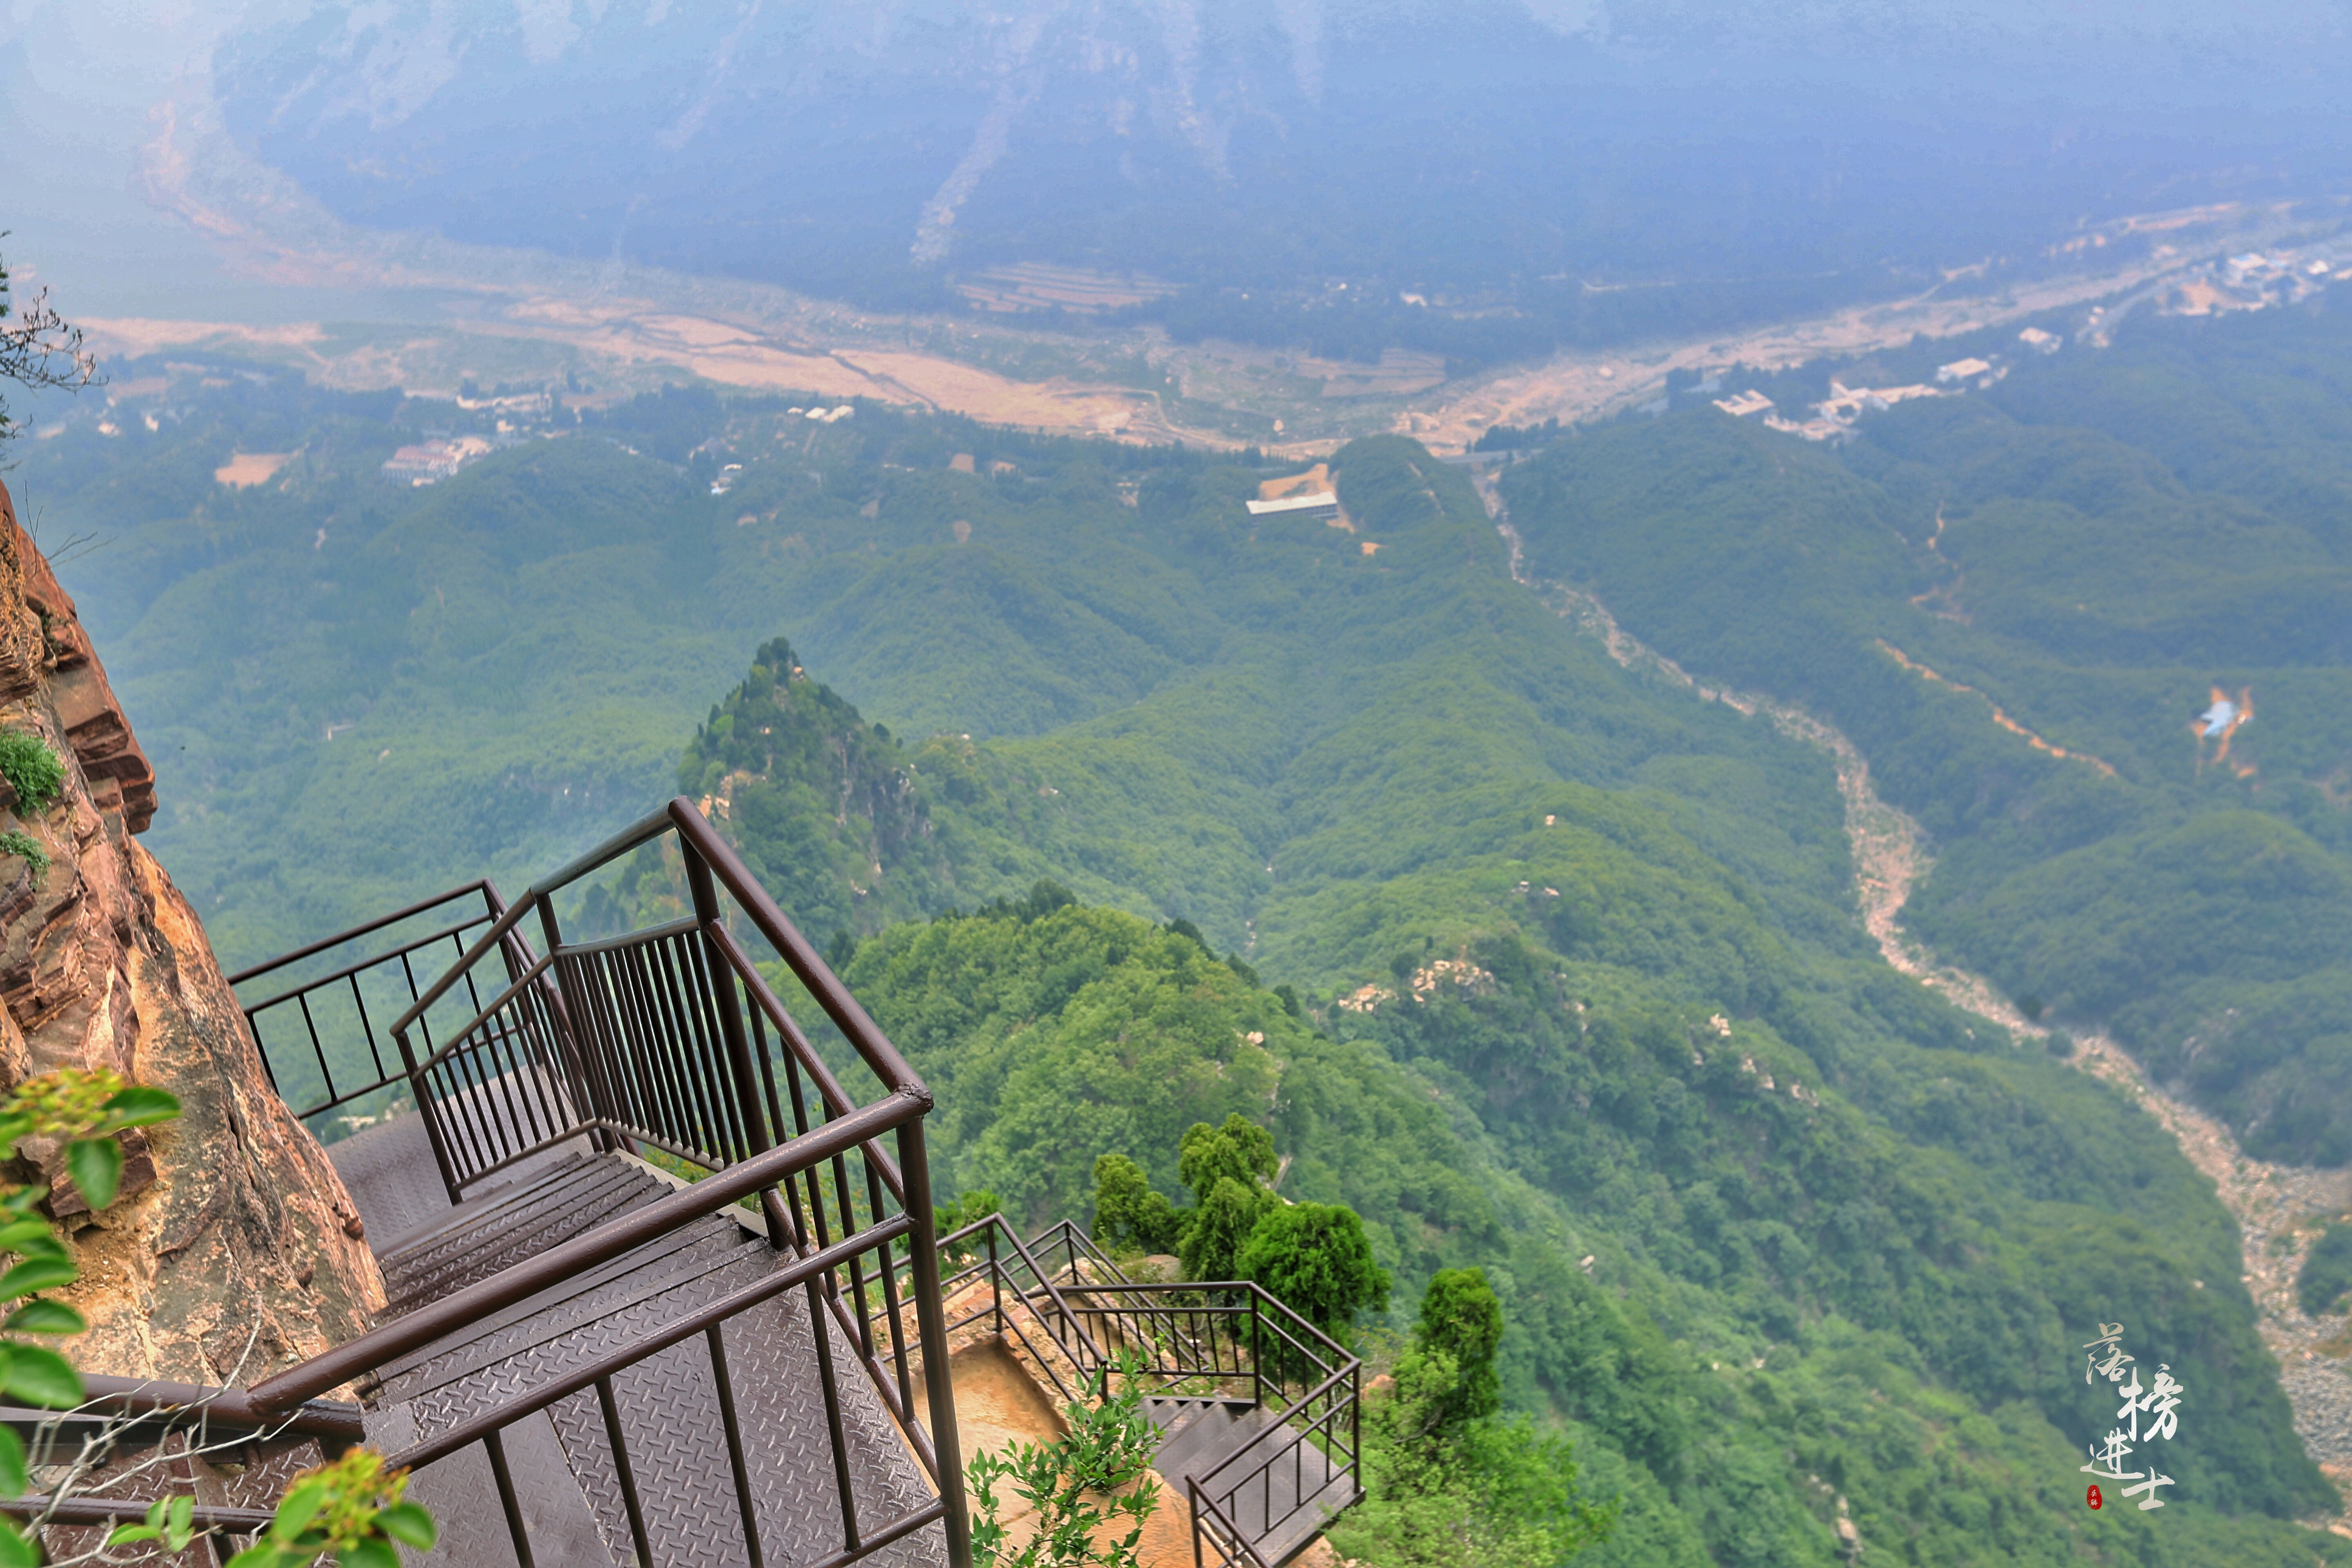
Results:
[2026, 605]
[1581, 980]
[1573, 955]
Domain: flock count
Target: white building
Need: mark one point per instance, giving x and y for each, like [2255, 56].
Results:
[1315, 503]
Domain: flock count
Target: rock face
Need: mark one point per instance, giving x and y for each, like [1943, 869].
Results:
[234, 1249]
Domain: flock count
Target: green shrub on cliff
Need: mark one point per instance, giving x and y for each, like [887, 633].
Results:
[33, 772]
[25, 847]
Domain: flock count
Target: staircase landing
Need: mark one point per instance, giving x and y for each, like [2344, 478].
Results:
[1280, 1510]
[566, 1477]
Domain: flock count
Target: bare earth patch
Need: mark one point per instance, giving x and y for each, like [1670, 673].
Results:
[245, 469]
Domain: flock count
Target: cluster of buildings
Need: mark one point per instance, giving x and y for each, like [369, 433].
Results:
[2250, 281]
[1834, 417]
[2255, 279]
[435, 458]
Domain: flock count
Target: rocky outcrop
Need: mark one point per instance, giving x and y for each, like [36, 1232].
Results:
[234, 1249]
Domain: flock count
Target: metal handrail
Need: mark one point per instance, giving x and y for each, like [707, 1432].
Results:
[1234, 1547]
[333, 1368]
[644, 1041]
[1323, 1390]
[483, 887]
[332, 985]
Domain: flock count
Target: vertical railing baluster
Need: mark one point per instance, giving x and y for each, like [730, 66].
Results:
[930, 1317]
[772, 1201]
[827, 1380]
[1257, 1350]
[662, 1042]
[616, 996]
[628, 1477]
[325, 1072]
[517, 1092]
[668, 1096]
[699, 1051]
[682, 1046]
[589, 1004]
[654, 1112]
[508, 1503]
[996, 1279]
[767, 1068]
[367, 1029]
[736, 1457]
[809, 1173]
[253, 1027]
[847, 1197]
[716, 1037]
[687, 1048]
[891, 1286]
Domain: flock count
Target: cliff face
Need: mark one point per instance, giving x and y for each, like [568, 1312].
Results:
[234, 1249]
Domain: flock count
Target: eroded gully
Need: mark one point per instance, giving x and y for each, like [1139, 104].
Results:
[2280, 1210]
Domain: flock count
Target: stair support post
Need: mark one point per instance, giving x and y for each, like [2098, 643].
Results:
[931, 1319]
[566, 1043]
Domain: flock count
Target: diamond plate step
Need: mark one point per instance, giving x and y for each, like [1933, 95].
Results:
[566, 1477]
[1199, 1435]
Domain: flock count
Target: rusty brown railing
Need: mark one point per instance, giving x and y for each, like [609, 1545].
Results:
[1071, 1307]
[670, 1042]
[318, 1036]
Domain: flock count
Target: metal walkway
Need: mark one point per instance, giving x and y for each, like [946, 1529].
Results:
[1256, 1409]
[715, 1357]
[678, 1446]
[585, 1359]
[1284, 1506]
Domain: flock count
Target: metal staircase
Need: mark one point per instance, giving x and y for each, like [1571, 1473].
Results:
[659, 1285]
[662, 1290]
[1256, 1409]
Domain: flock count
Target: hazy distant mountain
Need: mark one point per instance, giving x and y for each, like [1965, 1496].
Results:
[1512, 164]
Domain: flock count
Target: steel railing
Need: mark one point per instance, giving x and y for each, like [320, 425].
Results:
[1079, 1317]
[318, 1037]
[671, 1042]
[668, 1042]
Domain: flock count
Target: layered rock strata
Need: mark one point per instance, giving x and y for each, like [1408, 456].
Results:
[234, 1249]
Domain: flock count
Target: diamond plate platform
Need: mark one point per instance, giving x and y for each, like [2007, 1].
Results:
[566, 1477]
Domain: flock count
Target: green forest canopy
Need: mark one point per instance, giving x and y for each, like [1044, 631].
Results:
[1605, 998]
[2125, 537]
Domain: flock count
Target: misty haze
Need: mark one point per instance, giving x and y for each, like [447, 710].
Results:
[1142, 783]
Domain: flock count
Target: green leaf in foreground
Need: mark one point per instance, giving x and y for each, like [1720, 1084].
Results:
[96, 1166]
[39, 1316]
[43, 1378]
[140, 1107]
[409, 1524]
[37, 1274]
